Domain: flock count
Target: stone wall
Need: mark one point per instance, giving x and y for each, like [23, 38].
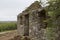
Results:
[36, 25]
[20, 25]
[32, 24]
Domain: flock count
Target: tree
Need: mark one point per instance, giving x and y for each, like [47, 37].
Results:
[53, 23]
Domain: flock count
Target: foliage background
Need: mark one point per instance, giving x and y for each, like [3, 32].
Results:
[53, 27]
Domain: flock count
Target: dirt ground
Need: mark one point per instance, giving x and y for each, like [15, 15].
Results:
[8, 35]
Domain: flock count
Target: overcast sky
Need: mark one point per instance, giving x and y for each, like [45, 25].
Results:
[9, 9]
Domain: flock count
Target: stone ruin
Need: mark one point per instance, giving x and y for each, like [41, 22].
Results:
[31, 22]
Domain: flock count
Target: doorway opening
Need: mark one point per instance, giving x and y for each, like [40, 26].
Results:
[26, 28]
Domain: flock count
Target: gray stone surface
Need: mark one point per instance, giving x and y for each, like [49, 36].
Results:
[31, 23]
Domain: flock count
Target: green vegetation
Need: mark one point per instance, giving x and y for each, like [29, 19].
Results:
[5, 26]
[54, 12]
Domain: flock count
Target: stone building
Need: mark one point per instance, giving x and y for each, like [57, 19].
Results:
[31, 22]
